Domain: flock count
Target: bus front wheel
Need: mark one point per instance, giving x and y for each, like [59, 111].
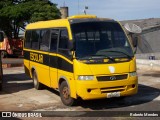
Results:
[65, 94]
[37, 84]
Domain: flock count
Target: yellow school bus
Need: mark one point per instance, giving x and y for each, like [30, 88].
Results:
[82, 57]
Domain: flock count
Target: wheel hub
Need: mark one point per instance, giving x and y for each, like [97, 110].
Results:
[65, 92]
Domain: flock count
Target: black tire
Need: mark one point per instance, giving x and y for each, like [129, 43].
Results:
[65, 94]
[1, 76]
[0, 86]
[3, 54]
[37, 84]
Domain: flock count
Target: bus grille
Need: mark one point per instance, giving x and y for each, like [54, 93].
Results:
[112, 78]
[113, 89]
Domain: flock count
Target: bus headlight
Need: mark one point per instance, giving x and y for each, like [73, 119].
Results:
[81, 77]
[133, 74]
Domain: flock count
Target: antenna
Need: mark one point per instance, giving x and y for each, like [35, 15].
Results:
[78, 6]
[64, 4]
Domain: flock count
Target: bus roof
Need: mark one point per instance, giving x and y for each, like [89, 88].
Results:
[82, 16]
[48, 24]
[59, 22]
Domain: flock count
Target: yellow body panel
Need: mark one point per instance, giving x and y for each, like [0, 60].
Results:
[110, 86]
[53, 77]
[124, 86]
[42, 73]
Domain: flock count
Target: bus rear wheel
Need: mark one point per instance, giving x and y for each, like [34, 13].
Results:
[65, 94]
[3, 54]
[37, 84]
[1, 76]
[0, 86]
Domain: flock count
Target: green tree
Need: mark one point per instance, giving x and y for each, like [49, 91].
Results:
[15, 14]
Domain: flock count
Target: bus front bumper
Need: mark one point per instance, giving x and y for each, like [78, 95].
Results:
[97, 90]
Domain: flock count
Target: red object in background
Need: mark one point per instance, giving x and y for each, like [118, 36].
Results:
[12, 47]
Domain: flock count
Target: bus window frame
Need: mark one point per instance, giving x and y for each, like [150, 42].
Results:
[38, 40]
[30, 43]
[57, 51]
[49, 39]
[57, 40]
[69, 56]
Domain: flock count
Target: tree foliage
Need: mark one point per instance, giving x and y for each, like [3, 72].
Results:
[15, 14]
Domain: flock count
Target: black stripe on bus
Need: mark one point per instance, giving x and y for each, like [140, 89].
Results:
[49, 60]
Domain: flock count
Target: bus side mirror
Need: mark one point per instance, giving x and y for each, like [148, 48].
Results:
[1, 37]
[135, 41]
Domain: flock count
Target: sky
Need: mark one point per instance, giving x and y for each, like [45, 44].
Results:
[115, 9]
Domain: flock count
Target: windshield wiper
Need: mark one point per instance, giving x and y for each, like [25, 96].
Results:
[99, 56]
[128, 56]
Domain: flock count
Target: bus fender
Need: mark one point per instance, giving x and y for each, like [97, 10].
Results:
[63, 78]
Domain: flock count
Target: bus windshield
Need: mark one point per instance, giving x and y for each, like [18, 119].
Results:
[100, 39]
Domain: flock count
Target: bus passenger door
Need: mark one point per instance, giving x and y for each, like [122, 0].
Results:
[65, 64]
[53, 58]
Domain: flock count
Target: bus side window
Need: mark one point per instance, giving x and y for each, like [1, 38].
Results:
[28, 39]
[35, 39]
[63, 42]
[45, 36]
[54, 39]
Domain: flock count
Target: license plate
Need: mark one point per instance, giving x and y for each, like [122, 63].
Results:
[113, 94]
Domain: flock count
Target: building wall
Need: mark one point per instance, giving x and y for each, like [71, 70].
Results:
[149, 40]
